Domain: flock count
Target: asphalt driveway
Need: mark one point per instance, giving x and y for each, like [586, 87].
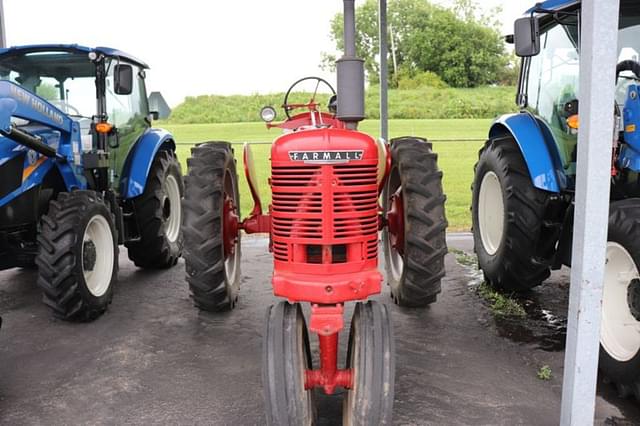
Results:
[154, 359]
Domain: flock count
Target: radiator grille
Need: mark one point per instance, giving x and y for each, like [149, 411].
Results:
[325, 205]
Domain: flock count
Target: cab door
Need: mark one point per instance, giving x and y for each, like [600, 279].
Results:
[128, 113]
[551, 83]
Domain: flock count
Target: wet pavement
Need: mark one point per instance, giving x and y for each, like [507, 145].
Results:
[154, 359]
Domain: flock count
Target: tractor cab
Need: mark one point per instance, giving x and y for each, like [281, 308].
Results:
[548, 39]
[101, 89]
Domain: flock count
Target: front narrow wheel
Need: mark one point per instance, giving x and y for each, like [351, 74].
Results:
[286, 357]
[371, 356]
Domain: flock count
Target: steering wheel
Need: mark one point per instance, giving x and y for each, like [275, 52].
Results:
[628, 65]
[65, 107]
[312, 105]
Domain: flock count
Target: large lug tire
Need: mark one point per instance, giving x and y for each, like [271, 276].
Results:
[620, 327]
[159, 214]
[507, 214]
[371, 356]
[213, 272]
[414, 252]
[78, 256]
[286, 356]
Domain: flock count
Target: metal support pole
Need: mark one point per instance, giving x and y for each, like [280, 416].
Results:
[384, 71]
[3, 37]
[597, 76]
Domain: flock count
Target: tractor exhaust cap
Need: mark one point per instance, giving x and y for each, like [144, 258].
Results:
[350, 73]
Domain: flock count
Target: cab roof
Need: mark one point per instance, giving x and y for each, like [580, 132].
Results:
[552, 5]
[107, 51]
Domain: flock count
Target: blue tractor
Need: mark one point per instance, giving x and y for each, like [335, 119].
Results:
[523, 190]
[81, 172]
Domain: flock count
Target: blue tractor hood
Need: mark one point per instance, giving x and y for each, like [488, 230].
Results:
[18, 102]
[33, 114]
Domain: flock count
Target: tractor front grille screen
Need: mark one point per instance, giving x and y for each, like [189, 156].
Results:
[11, 175]
[325, 213]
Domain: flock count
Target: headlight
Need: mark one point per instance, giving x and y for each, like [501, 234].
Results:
[268, 114]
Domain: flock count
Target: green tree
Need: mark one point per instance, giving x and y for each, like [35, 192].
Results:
[460, 45]
[47, 91]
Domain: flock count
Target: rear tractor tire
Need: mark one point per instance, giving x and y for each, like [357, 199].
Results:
[507, 212]
[620, 328]
[414, 240]
[210, 228]
[78, 256]
[159, 214]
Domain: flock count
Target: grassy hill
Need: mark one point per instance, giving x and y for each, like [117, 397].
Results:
[421, 103]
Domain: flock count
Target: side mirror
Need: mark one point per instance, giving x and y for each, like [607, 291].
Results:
[154, 115]
[526, 36]
[123, 76]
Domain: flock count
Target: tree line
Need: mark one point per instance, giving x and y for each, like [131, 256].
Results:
[431, 45]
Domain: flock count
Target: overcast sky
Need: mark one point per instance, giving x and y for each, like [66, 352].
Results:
[195, 46]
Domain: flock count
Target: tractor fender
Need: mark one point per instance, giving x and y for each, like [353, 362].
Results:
[138, 164]
[537, 147]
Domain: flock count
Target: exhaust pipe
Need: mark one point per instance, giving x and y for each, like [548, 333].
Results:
[350, 73]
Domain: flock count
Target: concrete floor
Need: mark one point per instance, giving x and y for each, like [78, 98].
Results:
[154, 359]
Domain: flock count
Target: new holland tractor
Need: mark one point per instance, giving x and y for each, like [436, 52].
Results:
[523, 191]
[82, 171]
[323, 224]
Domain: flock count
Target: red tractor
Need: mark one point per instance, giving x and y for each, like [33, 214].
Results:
[323, 222]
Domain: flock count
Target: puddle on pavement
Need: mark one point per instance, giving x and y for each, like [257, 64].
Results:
[541, 325]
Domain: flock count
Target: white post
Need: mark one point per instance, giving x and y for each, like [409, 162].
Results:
[384, 71]
[3, 37]
[597, 84]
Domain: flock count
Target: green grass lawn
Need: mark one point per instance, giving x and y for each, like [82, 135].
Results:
[456, 158]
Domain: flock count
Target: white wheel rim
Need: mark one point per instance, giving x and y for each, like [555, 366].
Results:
[620, 331]
[174, 217]
[97, 277]
[491, 213]
[233, 259]
[231, 263]
[396, 264]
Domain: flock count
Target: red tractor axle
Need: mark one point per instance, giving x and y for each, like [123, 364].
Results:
[328, 376]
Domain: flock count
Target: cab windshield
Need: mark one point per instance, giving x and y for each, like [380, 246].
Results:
[628, 43]
[65, 79]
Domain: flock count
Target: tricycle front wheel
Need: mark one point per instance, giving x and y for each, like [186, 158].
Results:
[371, 357]
[286, 357]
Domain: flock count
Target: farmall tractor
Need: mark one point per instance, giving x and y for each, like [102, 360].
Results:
[523, 192]
[82, 171]
[323, 223]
